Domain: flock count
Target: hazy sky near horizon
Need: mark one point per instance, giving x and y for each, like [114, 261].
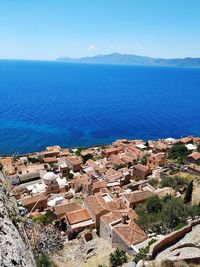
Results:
[47, 29]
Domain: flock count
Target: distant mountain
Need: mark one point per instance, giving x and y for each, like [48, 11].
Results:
[117, 58]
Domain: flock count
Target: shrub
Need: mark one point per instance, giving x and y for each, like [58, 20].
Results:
[142, 254]
[175, 182]
[178, 152]
[33, 160]
[86, 158]
[43, 219]
[117, 258]
[44, 261]
[144, 160]
[180, 225]
[161, 221]
[131, 187]
[154, 204]
[198, 147]
[78, 151]
[70, 175]
[154, 182]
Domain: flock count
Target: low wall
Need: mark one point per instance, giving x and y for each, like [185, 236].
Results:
[170, 239]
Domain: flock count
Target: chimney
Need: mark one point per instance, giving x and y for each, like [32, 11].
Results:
[117, 194]
[124, 218]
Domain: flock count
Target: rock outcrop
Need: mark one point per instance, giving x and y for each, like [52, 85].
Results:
[14, 246]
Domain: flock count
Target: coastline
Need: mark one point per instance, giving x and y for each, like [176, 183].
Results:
[91, 146]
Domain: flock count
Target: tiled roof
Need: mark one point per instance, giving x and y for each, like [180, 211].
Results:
[74, 160]
[50, 159]
[116, 204]
[141, 167]
[99, 184]
[195, 155]
[131, 233]
[138, 196]
[33, 199]
[117, 215]
[78, 216]
[66, 207]
[96, 203]
[112, 149]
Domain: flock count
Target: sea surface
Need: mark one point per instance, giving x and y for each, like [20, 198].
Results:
[50, 103]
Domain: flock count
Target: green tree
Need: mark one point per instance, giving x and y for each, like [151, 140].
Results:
[173, 212]
[154, 204]
[117, 258]
[33, 160]
[198, 147]
[154, 182]
[78, 151]
[143, 252]
[144, 160]
[70, 175]
[175, 182]
[63, 225]
[44, 261]
[178, 152]
[188, 193]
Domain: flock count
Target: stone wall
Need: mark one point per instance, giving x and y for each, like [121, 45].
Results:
[118, 242]
[170, 239]
[105, 231]
[15, 249]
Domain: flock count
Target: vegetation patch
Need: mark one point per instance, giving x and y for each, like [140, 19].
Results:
[163, 215]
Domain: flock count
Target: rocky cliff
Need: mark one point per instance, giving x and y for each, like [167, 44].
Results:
[14, 247]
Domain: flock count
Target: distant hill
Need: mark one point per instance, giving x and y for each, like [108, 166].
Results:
[117, 58]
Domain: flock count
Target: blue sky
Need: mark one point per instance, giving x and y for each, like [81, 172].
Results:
[47, 29]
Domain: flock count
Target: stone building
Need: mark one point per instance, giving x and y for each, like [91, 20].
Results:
[120, 230]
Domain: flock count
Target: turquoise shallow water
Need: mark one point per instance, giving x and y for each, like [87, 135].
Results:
[48, 103]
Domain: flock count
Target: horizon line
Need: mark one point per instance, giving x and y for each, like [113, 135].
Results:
[69, 57]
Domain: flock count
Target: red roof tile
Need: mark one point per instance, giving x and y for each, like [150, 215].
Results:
[78, 216]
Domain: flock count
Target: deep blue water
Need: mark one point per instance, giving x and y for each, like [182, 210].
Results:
[49, 103]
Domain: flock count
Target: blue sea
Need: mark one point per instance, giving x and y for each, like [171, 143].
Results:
[50, 103]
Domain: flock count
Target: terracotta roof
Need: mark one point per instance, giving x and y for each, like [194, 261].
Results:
[186, 140]
[116, 160]
[104, 191]
[115, 204]
[78, 216]
[66, 207]
[138, 196]
[81, 180]
[99, 184]
[134, 150]
[141, 167]
[92, 163]
[33, 199]
[131, 233]
[157, 157]
[117, 215]
[6, 161]
[53, 148]
[126, 158]
[112, 149]
[101, 169]
[50, 159]
[195, 155]
[96, 203]
[74, 160]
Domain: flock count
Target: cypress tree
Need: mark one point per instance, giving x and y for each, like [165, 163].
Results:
[188, 193]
